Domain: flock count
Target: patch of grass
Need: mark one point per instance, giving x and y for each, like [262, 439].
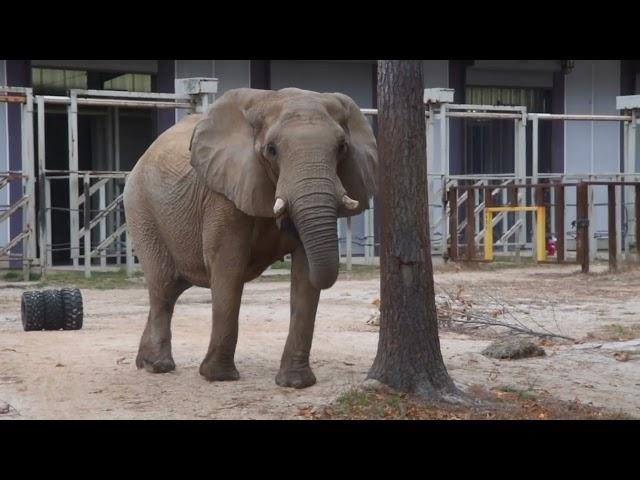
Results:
[527, 394]
[16, 276]
[352, 399]
[356, 402]
[506, 403]
[12, 275]
[98, 280]
[615, 331]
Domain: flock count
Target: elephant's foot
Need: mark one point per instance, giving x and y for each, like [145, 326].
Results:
[296, 378]
[155, 360]
[216, 371]
[295, 372]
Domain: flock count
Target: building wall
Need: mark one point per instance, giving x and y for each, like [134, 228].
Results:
[353, 79]
[592, 147]
[4, 155]
[232, 74]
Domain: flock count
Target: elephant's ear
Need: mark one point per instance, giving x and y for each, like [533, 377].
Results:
[359, 170]
[223, 154]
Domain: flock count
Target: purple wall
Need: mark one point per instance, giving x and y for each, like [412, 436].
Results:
[165, 81]
[18, 75]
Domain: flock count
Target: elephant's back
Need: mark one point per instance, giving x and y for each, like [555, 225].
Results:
[169, 153]
[164, 165]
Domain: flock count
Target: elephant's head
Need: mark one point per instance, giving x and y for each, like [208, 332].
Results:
[308, 156]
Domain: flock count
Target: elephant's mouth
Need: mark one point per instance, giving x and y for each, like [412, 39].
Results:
[286, 225]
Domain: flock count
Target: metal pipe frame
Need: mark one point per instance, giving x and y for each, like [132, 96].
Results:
[127, 94]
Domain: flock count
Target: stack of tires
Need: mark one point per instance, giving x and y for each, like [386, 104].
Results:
[52, 309]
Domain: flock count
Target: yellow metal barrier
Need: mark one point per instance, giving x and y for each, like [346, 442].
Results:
[541, 253]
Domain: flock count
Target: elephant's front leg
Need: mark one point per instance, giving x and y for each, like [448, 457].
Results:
[228, 266]
[294, 367]
[218, 364]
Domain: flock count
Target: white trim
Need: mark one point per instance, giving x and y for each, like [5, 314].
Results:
[175, 76]
[564, 124]
[620, 156]
[6, 123]
[592, 154]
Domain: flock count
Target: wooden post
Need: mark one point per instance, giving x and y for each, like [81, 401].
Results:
[637, 209]
[613, 238]
[471, 225]
[560, 223]
[453, 222]
[349, 244]
[87, 228]
[582, 225]
[488, 227]
[102, 199]
[129, 252]
[488, 198]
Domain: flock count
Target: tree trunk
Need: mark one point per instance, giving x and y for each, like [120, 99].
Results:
[408, 357]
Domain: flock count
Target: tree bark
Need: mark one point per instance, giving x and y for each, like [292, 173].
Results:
[409, 357]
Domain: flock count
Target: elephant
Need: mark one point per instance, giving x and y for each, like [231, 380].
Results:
[220, 196]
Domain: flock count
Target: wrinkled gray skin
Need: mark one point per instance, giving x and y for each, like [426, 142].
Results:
[200, 209]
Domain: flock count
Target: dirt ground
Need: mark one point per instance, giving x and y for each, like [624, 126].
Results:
[91, 374]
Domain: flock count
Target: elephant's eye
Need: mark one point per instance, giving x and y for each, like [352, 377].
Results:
[342, 148]
[271, 150]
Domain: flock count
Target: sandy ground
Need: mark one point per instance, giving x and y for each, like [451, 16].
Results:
[90, 373]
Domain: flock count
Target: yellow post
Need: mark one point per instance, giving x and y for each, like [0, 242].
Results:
[488, 235]
[541, 234]
[541, 252]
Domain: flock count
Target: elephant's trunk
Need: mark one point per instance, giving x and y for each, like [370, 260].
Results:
[314, 212]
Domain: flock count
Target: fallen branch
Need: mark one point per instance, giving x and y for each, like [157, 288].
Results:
[453, 308]
[475, 319]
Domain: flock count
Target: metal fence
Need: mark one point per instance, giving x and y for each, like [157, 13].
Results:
[96, 216]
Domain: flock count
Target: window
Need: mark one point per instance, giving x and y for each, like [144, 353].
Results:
[130, 82]
[535, 99]
[50, 80]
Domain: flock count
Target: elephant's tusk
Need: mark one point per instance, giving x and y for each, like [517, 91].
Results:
[279, 207]
[350, 203]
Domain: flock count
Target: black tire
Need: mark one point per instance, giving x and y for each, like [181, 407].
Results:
[53, 312]
[72, 306]
[32, 311]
